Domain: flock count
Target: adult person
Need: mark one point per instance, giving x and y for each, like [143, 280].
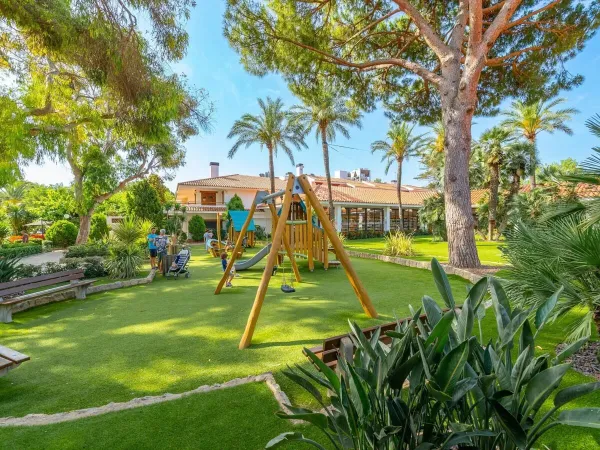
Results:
[207, 237]
[152, 247]
[161, 242]
[25, 237]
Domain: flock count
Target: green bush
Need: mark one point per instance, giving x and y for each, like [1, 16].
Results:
[99, 228]
[182, 238]
[398, 243]
[197, 227]
[124, 260]
[436, 386]
[260, 233]
[235, 203]
[19, 250]
[4, 232]
[93, 266]
[83, 250]
[9, 269]
[62, 233]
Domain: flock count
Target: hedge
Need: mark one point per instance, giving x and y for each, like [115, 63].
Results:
[93, 267]
[83, 250]
[19, 251]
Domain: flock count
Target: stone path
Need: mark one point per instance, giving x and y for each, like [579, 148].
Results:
[42, 258]
[47, 419]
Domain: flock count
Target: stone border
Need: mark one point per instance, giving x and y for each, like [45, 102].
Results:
[67, 295]
[48, 419]
[450, 270]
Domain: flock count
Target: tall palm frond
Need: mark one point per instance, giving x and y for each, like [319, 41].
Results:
[403, 144]
[15, 193]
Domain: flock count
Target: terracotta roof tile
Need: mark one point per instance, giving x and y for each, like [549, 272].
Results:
[236, 181]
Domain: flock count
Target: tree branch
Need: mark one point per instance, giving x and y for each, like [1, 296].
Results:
[431, 37]
[498, 25]
[499, 61]
[372, 24]
[493, 8]
[531, 14]
[475, 25]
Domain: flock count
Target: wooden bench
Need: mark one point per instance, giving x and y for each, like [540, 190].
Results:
[335, 346]
[10, 359]
[74, 277]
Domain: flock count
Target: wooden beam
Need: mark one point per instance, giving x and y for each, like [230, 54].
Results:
[286, 243]
[309, 232]
[218, 230]
[357, 285]
[237, 249]
[267, 273]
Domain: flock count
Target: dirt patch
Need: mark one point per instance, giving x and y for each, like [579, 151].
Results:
[585, 361]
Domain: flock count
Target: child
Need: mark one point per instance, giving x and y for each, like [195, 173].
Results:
[231, 273]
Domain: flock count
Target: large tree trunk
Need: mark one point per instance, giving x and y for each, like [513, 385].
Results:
[458, 106]
[533, 164]
[84, 228]
[399, 191]
[271, 169]
[327, 172]
[493, 203]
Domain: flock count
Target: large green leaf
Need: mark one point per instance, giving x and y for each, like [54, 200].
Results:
[526, 340]
[498, 294]
[432, 310]
[478, 291]
[464, 437]
[462, 388]
[441, 331]
[451, 368]
[358, 394]
[572, 392]
[568, 351]
[541, 386]
[442, 283]
[464, 326]
[305, 384]
[544, 311]
[582, 417]
[511, 425]
[325, 370]
[520, 366]
[513, 327]
[399, 374]
[317, 419]
[502, 314]
[285, 438]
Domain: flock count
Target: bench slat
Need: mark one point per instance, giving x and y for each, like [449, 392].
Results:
[48, 276]
[42, 283]
[5, 363]
[66, 287]
[13, 355]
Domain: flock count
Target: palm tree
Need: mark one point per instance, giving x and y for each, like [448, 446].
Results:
[272, 129]
[14, 194]
[491, 149]
[530, 119]
[403, 145]
[327, 114]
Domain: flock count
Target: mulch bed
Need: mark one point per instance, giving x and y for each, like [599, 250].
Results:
[585, 361]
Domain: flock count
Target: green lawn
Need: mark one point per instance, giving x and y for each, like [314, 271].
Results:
[175, 335]
[426, 248]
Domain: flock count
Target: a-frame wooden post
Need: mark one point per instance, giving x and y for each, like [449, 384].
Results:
[268, 272]
[357, 285]
[309, 237]
[238, 247]
[286, 242]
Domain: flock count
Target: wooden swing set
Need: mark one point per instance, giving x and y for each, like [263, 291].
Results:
[311, 241]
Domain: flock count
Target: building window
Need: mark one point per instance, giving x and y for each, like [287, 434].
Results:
[359, 220]
[410, 222]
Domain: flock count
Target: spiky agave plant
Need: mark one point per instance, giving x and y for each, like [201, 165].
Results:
[435, 386]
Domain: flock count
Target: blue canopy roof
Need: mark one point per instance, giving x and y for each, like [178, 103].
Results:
[239, 218]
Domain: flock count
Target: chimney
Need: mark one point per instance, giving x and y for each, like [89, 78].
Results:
[299, 169]
[214, 169]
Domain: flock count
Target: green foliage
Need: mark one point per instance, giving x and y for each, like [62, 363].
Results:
[50, 203]
[9, 268]
[4, 231]
[260, 233]
[436, 386]
[62, 233]
[433, 215]
[235, 203]
[164, 194]
[131, 231]
[93, 266]
[182, 238]
[99, 228]
[398, 243]
[84, 250]
[197, 228]
[143, 202]
[18, 216]
[124, 260]
[556, 171]
[19, 250]
[552, 254]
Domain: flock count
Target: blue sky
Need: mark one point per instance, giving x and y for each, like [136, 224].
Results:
[210, 63]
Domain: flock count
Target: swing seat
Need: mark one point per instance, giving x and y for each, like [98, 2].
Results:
[287, 288]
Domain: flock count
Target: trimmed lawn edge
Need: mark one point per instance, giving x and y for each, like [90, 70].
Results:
[31, 420]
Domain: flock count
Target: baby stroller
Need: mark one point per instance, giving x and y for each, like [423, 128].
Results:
[181, 261]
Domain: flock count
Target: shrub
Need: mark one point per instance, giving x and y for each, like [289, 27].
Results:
[62, 233]
[342, 238]
[197, 227]
[460, 393]
[235, 203]
[83, 250]
[93, 266]
[131, 231]
[182, 238]
[4, 231]
[260, 233]
[9, 269]
[124, 260]
[99, 228]
[19, 250]
[398, 243]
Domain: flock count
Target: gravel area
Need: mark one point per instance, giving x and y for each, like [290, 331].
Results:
[585, 361]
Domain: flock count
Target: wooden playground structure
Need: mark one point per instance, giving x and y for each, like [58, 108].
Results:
[237, 219]
[295, 231]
